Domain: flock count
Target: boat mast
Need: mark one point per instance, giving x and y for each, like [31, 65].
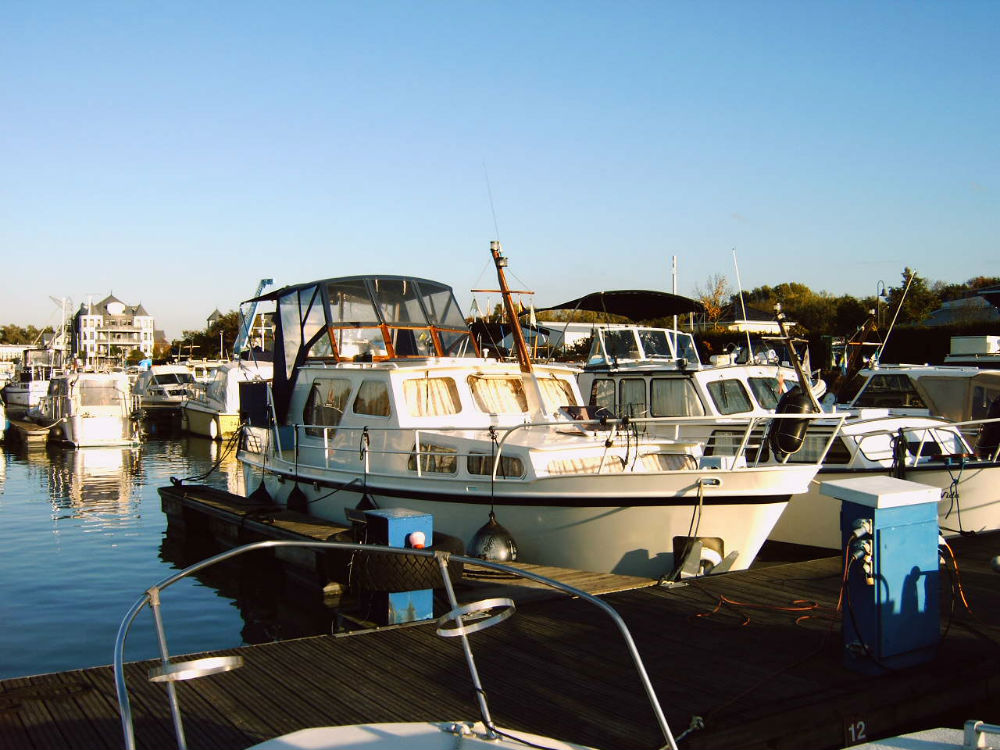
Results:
[804, 383]
[523, 357]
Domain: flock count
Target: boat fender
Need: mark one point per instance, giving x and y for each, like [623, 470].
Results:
[788, 435]
[989, 435]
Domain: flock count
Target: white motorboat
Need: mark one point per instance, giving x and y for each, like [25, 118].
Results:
[31, 381]
[214, 410]
[162, 389]
[648, 371]
[380, 398]
[950, 391]
[460, 622]
[88, 408]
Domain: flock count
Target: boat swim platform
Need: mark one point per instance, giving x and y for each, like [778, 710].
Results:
[756, 654]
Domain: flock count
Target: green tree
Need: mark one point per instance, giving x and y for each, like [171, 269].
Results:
[917, 297]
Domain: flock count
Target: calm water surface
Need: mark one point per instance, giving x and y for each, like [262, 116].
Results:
[82, 536]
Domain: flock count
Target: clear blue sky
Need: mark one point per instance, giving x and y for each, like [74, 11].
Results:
[175, 153]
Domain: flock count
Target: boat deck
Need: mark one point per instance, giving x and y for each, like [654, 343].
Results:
[755, 654]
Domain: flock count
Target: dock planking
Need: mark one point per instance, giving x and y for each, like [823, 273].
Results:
[755, 654]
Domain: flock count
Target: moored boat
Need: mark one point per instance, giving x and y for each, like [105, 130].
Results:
[87, 408]
[213, 411]
[380, 398]
[162, 389]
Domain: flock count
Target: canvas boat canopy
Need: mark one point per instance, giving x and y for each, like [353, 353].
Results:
[363, 319]
[634, 304]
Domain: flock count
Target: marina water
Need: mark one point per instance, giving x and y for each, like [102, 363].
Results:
[82, 537]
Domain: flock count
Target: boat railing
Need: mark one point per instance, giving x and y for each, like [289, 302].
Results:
[920, 443]
[750, 433]
[460, 621]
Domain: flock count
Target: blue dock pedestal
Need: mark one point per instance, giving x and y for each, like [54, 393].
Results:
[889, 528]
[392, 527]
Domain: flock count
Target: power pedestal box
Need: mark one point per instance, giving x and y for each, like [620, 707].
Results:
[889, 529]
[392, 527]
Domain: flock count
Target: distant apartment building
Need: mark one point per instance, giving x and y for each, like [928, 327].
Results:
[106, 332]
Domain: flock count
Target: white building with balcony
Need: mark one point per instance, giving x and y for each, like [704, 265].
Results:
[106, 332]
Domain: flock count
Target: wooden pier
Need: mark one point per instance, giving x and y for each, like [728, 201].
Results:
[755, 655]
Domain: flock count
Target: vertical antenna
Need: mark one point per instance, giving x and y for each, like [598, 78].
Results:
[489, 192]
[739, 285]
[674, 289]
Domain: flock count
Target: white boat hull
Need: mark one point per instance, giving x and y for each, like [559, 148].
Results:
[210, 424]
[622, 524]
[84, 431]
[970, 502]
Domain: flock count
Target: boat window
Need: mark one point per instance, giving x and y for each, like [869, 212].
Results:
[173, 378]
[372, 398]
[431, 397]
[557, 392]
[655, 344]
[456, 344]
[288, 314]
[890, 391]
[674, 397]
[602, 393]
[216, 389]
[360, 344]
[438, 459]
[409, 342]
[498, 395]
[442, 306]
[838, 455]
[686, 347]
[729, 396]
[94, 393]
[510, 467]
[767, 391]
[398, 301]
[350, 303]
[587, 465]
[632, 397]
[982, 398]
[325, 405]
[620, 344]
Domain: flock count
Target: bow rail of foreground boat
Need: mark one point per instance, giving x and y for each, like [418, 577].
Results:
[454, 623]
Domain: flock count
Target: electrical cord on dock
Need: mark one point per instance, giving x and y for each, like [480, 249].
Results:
[958, 594]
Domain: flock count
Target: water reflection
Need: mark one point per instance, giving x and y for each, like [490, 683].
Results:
[224, 470]
[97, 481]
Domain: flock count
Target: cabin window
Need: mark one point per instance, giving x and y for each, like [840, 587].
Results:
[412, 342]
[729, 396]
[890, 392]
[766, 391]
[587, 465]
[632, 397]
[96, 394]
[674, 397]
[325, 405]
[372, 398]
[431, 397]
[557, 393]
[501, 395]
[173, 378]
[620, 345]
[435, 459]
[510, 467]
[602, 393]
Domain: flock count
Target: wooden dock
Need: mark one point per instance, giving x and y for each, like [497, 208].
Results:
[756, 655]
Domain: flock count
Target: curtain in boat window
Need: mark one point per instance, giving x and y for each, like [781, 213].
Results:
[372, 398]
[557, 393]
[674, 397]
[495, 395]
[632, 398]
[431, 397]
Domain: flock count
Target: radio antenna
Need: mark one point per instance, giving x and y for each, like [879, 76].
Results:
[489, 192]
